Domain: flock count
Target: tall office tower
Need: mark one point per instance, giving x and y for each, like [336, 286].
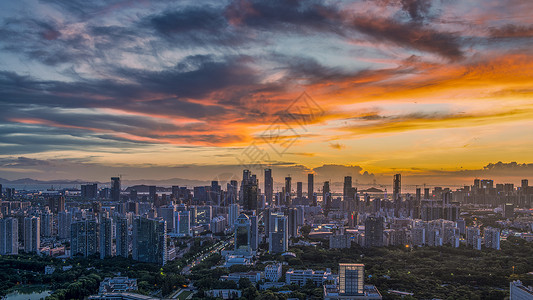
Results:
[427, 196]
[176, 191]
[47, 223]
[351, 279]
[418, 195]
[9, 237]
[202, 215]
[233, 214]
[167, 214]
[83, 238]
[347, 188]
[254, 233]
[150, 241]
[374, 232]
[311, 189]
[64, 219]
[115, 189]
[326, 196]
[89, 191]
[292, 215]
[152, 193]
[122, 237]
[243, 235]
[477, 183]
[508, 210]
[487, 184]
[233, 191]
[32, 234]
[299, 189]
[10, 193]
[269, 186]
[183, 223]
[446, 198]
[492, 238]
[56, 203]
[278, 240]
[288, 190]
[397, 187]
[524, 185]
[106, 237]
[249, 191]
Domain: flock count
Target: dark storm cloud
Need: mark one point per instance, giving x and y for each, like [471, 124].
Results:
[409, 35]
[512, 31]
[302, 16]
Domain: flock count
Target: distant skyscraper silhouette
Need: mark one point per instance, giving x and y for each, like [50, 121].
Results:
[115, 189]
[311, 189]
[269, 186]
[397, 186]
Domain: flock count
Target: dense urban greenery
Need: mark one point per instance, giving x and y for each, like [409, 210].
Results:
[431, 272]
[428, 272]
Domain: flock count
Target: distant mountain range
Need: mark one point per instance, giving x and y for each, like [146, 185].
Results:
[125, 183]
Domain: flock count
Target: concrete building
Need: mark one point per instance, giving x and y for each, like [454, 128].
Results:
[32, 234]
[117, 285]
[340, 241]
[520, 292]
[491, 236]
[150, 240]
[300, 277]
[273, 272]
[9, 237]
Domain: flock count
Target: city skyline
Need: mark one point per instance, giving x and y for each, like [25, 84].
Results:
[439, 91]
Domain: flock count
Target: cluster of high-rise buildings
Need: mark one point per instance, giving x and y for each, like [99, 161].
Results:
[139, 221]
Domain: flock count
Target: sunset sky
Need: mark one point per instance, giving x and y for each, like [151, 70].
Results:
[436, 90]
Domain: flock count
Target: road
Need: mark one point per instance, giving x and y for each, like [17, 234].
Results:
[215, 248]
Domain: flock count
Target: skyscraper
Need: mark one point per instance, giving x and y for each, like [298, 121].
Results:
[351, 279]
[89, 191]
[152, 193]
[396, 186]
[347, 187]
[64, 220]
[374, 232]
[115, 189]
[122, 240]
[299, 187]
[269, 186]
[326, 196]
[83, 238]
[47, 223]
[183, 223]
[249, 191]
[106, 237]
[292, 215]
[243, 234]
[278, 240]
[149, 240]
[310, 189]
[9, 237]
[32, 234]
[254, 233]
[288, 190]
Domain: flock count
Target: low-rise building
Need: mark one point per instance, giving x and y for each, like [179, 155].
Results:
[300, 277]
[273, 272]
[520, 292]
[254, 277]
[224, 293]
[117, 285]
